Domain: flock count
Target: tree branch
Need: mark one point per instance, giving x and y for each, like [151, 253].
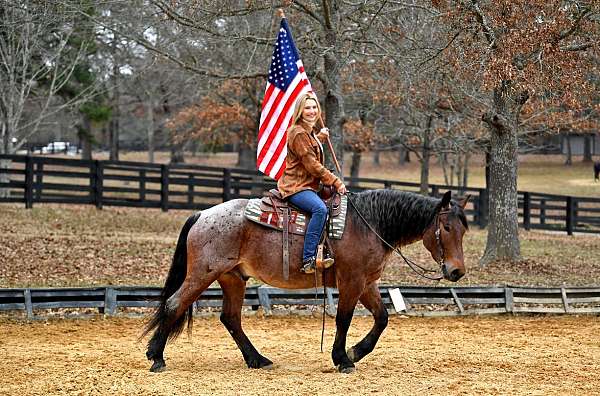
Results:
[579, 47]
[304, 8]
[489, 33]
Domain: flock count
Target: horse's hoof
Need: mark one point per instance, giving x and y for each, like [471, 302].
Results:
[346, 370]
[351, 355]
[159, 366]
[262, 363]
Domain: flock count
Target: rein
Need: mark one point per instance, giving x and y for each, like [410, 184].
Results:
[411, 264]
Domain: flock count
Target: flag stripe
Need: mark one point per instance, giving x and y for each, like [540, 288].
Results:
[281, 100]
[266, 104]
[277, 158]
[285, 114]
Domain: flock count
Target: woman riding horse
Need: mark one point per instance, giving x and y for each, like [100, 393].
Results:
[303, 172]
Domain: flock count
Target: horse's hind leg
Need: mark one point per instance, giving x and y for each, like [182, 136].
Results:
[371, 299]
[234, 289]
[172, 318]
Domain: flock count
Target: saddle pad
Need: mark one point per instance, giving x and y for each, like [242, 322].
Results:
[269, 219]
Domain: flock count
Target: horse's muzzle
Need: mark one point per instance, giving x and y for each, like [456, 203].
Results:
[451, 272]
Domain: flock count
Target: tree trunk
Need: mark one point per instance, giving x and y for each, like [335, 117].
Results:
[402, 156]
[426, 157]
[4, 164]
[85, 135]
[355, 165]
[587, 148]
[569, 160]
[150, 128]
[465, 175]
[443, 161]
[246, 156]
[376, 158]
[113, 135]
[488, 161]
[334, 104]
[177, 156]
[503, 232]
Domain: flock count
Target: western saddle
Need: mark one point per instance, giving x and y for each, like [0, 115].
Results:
[273, 205]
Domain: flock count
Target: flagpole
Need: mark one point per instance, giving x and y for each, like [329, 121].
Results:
[335, 161]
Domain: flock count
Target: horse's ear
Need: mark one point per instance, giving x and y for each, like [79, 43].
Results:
[463, 202]
[445, 204]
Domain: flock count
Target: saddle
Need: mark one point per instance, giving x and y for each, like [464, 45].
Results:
[273, 205]
[278, 211]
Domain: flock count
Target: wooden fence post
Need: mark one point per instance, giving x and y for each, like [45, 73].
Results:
[164, 188]
[28, 303]
[265, 301]
[570, 215]
[461, 308]
[435, 190]
[527, 210]
[542, 211]
[563, 295]
[96, 182]
[508, 299]
[142, 185]
[39, 180]
[226, 184]
[482, 205]
[29, 182]
[110, 301]
[190, 191]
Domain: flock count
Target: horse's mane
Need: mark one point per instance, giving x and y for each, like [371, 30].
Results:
[399, 217]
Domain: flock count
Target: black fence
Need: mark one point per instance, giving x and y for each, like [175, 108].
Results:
[32, 179]
[418, 301]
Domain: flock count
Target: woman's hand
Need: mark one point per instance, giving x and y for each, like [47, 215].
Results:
[342, 190]
[324, 132]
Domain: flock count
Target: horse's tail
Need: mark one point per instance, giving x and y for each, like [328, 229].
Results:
[174, 280]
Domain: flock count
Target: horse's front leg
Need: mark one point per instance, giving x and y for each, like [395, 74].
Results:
[371, 299]
[349, 293]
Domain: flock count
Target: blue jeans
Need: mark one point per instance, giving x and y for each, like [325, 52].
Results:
[309, 201]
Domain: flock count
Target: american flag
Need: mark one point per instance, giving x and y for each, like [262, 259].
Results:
[287, 81]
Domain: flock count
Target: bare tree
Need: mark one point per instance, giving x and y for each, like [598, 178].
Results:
[38, 60]
[522, 52]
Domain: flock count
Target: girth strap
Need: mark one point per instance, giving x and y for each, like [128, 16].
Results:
[286, 238]
[285, 211]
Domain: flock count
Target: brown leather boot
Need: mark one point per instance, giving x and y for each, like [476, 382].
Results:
[309, 265]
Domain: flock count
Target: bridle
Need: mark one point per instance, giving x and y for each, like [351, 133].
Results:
[438, 237]
[411, 264]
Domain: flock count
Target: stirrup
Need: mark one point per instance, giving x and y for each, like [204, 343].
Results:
[325, 262]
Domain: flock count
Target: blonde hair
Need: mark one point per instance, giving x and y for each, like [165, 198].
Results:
[300, 103]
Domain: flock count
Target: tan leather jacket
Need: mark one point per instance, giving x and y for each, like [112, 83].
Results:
[304, 162]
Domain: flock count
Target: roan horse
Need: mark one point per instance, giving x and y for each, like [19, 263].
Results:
[220, 244]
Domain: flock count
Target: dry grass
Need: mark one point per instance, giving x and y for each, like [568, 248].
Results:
[67, 245]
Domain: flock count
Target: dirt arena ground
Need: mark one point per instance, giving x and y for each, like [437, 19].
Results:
[543, 355]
